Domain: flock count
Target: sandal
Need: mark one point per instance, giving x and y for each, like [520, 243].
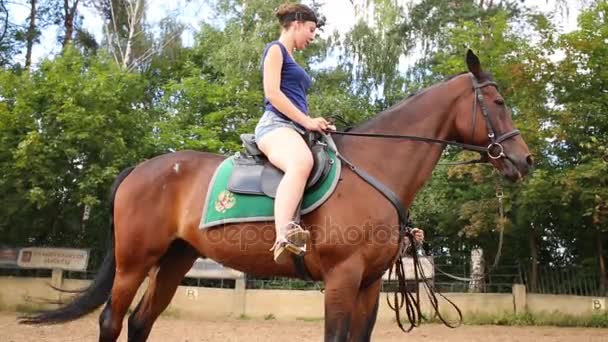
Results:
[296, 234]
[283, 250]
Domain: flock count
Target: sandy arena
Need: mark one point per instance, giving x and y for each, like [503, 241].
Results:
[190, 330]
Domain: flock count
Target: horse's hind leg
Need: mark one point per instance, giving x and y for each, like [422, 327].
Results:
[126, 283]
[161, 288]
[136, 253]
[365, 313]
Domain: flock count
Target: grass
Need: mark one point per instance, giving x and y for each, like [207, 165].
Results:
[310, 319]
[557, 319]
[28, 308]
[538, 319]
[175, 314]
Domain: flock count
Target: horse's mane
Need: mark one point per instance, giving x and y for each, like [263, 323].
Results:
[362, 126]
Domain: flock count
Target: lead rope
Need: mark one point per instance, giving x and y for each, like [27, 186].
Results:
[501, 228]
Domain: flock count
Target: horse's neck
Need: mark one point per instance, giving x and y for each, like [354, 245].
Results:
[405, 165]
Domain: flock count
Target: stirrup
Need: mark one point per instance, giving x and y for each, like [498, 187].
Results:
[282, 249]
[296, 235]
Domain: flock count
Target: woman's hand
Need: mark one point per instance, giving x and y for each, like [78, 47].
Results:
[418, 235]
[318, 125]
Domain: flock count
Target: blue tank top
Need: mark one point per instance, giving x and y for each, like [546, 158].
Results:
[295, 82]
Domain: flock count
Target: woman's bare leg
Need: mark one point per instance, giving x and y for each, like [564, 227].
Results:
[287, 150]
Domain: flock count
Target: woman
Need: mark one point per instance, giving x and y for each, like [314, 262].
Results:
[279, 132]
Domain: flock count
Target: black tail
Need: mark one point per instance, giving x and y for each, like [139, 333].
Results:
[99, 291]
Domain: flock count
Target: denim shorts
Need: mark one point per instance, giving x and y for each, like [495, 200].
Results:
[271, 121]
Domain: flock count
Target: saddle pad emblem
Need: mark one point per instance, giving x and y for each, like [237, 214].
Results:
[225, 201]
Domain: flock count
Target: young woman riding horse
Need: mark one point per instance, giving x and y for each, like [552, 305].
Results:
[157, 209]
[279, 131]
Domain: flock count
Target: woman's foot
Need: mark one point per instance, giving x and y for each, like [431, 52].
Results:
[283, 251]
[297, 235]
[293, 242]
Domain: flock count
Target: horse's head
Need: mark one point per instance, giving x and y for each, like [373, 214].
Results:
[482, 118]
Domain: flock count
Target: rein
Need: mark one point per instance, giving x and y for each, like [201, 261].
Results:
[494, 150]
[469, 147]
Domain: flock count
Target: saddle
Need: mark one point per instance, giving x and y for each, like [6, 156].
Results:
[253, 174]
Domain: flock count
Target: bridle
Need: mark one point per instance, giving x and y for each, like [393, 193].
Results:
[495, 142]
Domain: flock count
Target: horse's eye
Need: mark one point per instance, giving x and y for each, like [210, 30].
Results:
[499, 102]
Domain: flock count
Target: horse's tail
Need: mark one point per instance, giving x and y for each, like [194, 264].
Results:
[99, 291]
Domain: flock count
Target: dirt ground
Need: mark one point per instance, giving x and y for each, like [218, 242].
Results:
[189, 330]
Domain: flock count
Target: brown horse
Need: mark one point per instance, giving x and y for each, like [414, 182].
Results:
[158, 204]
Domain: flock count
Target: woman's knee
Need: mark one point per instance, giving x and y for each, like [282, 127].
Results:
[301, 164]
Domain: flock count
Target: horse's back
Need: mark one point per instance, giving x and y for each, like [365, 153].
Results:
[163, 197]
[189, 157]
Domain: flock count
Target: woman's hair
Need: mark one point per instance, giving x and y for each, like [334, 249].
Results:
[289, 12]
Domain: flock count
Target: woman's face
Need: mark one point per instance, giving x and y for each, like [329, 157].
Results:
[304, 33]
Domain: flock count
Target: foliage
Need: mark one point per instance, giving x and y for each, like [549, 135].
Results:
[67, 130]
[538, 319]
[73, 121]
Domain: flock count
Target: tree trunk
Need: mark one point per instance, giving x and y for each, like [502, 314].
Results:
[134, 17]
[31, 33]
[68, 21]
[602, 263]
[5, 21]
[533, 280]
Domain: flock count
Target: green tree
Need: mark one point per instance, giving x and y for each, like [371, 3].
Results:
[66, 132]
[582, 128]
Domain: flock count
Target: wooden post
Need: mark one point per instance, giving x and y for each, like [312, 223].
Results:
[239, 306]
[519, 299]
[57, 281]
[476, 284]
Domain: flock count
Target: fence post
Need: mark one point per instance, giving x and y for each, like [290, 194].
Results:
[239, 307]
[57, 281]
[477, 271]
[519, 299]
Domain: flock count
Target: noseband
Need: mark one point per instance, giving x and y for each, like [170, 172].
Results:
[495, 142]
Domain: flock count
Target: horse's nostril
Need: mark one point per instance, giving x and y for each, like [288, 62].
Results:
[530, 160]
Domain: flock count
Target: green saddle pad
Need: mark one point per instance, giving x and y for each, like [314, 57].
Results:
[223, 206]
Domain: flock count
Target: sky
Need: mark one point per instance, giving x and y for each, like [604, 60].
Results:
[340, 16]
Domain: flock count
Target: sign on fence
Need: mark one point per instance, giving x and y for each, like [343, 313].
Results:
[68, 259]
[207, 268]
[8, 257]
[598, 304]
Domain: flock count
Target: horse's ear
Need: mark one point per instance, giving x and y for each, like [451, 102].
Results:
[473, 64]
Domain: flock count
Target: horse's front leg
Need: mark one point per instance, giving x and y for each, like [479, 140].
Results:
[365, 313]
[341, 290]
